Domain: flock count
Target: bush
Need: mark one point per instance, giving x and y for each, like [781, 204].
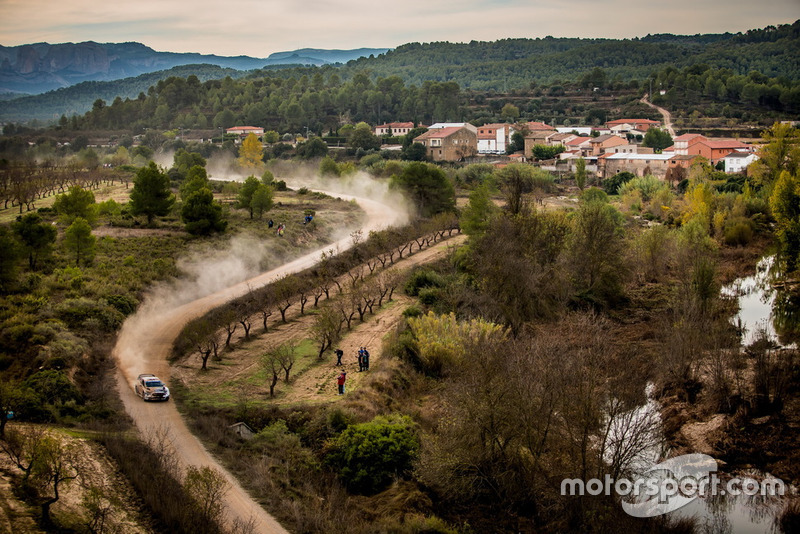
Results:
[612, 185]
[421, 279]
[369, 456]
[738, 232]
[412, 311]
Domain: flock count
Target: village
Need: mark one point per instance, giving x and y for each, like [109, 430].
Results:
[607, 150]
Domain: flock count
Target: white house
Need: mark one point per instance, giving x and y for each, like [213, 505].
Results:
[493, 138]
[738, 161]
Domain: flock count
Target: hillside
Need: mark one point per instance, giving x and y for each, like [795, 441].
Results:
[515, 63]
[78, 99]
[37, 68]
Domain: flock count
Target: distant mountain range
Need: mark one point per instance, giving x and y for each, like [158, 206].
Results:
[37, 68]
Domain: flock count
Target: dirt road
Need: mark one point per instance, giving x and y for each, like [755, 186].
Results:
[145, 342]
[316, 383]
[666, 115]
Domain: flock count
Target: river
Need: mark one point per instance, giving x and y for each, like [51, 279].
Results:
[765, 310]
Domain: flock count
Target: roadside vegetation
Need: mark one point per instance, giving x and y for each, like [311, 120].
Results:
[499, 369]
[549, 309]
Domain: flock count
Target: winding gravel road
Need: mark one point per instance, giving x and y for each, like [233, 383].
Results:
[144, 345]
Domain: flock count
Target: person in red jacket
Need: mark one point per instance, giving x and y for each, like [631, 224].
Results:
[340, 381]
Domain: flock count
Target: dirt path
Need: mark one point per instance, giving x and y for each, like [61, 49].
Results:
[145, 342]
[315, 383]
[666, 115]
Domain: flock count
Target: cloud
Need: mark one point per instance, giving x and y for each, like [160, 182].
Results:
[258, 27]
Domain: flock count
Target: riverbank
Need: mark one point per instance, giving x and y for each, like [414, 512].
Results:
[742, 405]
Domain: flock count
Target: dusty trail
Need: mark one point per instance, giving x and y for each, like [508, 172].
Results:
[145, 342]
[666, 115]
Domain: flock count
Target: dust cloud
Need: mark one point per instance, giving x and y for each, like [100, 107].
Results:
[211, 276]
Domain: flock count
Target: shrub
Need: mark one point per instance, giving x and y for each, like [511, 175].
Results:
[368, 456]
[412, 311]
[612, 185]
[421, 279]
[594, 194]
[738, 232]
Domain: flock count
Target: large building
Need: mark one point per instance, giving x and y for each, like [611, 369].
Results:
[394, 128]
[451, 143]
[712, 150]
[244, 131]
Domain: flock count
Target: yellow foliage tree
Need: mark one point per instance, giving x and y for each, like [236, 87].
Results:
[251, 153]
[443, 341]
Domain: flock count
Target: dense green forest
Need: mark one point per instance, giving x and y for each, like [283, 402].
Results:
[323, 104]
[425, 82]
[515, 63]
[77, 99]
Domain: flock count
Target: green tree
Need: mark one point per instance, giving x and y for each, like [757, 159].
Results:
[580, 173]
[151, 195]
[515, 181]
[79, 239]
[244, 199]
[781, 152]
[540, 152]
[328, 167]
[184, 160]
[785, 205]
[510, 112]
[196, 179]
[8, 264]
[414, 152]
[657, 139]
[368, 456]
[201, 214]
[78, 202]
[271, 136]
[262, 200]
[517, 143]
[595, 253]
[363, 138]
[427, 187]
[476, 215]
[36, 236]
[612, 185]
[313, 148]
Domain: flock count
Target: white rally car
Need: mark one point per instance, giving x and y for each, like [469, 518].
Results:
[150, 387]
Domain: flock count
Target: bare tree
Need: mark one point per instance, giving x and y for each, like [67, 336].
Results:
[272, 366]
[285, 291]
[58, 465]
[327, 327]
[207, 487]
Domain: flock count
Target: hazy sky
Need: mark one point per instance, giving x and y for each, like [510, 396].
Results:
[260, 27]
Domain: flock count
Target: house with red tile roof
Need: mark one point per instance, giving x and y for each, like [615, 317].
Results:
[451, 143]
[715, 150]
[630, 125]
[601, 143]
[493, 138]
[538, 126]
[394, 128]
[682, 143]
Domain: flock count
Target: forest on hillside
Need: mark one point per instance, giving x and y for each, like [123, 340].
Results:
[507, 66]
